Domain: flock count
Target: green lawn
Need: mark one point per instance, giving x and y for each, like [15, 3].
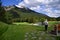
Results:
[17, 32]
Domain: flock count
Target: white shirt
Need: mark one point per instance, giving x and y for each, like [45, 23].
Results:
[46, 22]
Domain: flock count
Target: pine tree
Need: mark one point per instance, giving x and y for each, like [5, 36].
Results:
[2, 12]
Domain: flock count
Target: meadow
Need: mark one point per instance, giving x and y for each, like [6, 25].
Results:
[17, 32]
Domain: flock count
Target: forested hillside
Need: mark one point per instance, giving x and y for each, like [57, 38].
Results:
[24, 15]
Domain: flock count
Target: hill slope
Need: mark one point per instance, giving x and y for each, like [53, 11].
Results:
[24, 15]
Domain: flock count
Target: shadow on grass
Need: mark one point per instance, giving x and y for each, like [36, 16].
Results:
[2, 31]
[57, 37]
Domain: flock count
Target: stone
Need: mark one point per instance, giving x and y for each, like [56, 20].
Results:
[27, 33]
[33, 37]
[39, 31]
[53, 38]
[26, 36]
[47, 38]
[32, 33]
[40, 38]
[35, 31]
[42, 33]
[26, 39]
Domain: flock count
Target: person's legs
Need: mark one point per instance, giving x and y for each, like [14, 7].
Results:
[46, 27]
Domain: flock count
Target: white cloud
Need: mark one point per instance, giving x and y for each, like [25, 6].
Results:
[31, 3]
[20, 5]
[45, 1]
[52, 13]
[52, 7]
[26, 1]
[35, 8]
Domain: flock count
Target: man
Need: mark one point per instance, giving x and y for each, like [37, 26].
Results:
[46, 24]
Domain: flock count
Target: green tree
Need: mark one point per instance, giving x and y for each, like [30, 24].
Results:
[42, 20]
[8, 17]
[58, 19]
[2, 12]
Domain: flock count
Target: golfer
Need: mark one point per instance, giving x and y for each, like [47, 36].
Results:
[46, 24]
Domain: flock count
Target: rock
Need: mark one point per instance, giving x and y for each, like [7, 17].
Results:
[26, 36]
[26, 39]
[27, 33]
[42, 33]
[40, 38]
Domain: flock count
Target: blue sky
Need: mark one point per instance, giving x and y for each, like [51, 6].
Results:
[48, 7]
[10, 2]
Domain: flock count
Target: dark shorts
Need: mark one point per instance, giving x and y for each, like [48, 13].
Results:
[46, 26]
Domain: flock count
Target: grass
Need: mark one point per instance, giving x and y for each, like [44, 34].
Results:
[24, 23]
[58, 38]
[17, 32]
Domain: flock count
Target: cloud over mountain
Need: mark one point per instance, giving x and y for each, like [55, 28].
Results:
[48, 7]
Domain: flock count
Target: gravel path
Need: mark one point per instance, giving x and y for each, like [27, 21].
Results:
[38, 35]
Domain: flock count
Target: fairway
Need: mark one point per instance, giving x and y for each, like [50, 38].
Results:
[17, 32]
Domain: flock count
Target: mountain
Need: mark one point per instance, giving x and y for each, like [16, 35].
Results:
[24, 11]
[21, 9]
[27, 10]
[58, 19]
[24, 15]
